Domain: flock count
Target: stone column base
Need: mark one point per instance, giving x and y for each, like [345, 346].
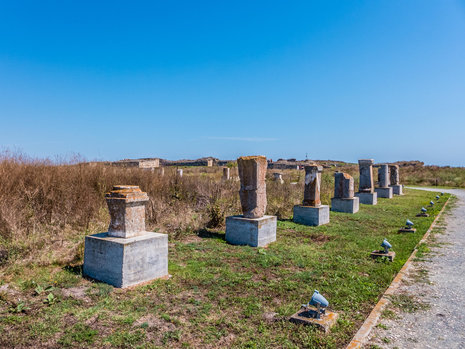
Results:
[351, 205]
[255, 232]
[384, 192]
[397, 189]
[126, 262]
[311, 215]
[367, 198]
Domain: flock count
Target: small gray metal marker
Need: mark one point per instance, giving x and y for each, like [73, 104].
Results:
[423, 213]
[314, 313]
[408, 227]
[384, 253]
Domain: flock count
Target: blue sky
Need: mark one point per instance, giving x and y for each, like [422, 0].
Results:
[184, 79]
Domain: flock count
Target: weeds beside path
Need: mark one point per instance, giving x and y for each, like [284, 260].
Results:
[429, 308]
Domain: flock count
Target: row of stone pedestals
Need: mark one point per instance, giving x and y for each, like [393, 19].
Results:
[388, 179]
[127, 255]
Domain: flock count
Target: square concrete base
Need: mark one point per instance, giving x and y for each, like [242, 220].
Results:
[397, 189]
[384, 192]
[367, 198]
[126, 262]
[325, 322]
[379, 254]
[345, 205]
[311, 215]
[255, 232]
[407, 230]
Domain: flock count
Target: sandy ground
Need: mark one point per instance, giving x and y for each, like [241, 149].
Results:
[436, 287]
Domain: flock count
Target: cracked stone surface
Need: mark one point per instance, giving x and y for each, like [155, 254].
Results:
[438, 282]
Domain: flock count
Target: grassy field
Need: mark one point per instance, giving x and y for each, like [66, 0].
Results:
[219, 295]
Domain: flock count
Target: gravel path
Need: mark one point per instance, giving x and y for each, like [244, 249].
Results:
[439, 283]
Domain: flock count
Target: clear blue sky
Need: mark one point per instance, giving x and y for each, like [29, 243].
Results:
[185, 79]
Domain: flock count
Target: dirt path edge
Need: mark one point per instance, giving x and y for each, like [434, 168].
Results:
[362, 334]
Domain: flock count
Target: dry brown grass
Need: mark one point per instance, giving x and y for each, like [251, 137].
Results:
[46, 209]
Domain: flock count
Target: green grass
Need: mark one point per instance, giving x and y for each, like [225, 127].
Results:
[219, 293]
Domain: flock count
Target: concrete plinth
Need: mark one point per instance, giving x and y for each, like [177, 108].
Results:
[124, 262]
[325, 322]
[311, 215]
[379, 254]
[407, 230]
[255, 232]
[384, 192]
[397, 189]
[345, 205]
[367, 198]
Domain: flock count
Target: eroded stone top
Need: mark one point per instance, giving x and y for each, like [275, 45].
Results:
[366, 162]
[127, 192]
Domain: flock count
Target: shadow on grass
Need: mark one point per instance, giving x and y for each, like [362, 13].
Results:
[74, 269]
[209, 234]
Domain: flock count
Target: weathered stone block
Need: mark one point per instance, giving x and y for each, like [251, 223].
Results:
[124, 262]
[366, 184]
[397, 189]
[311, 215]
[384, 192]
[126, 204]
[394, 174]
[383, 176]
[226, 172]
[255, 232]
[367, 198]
[252, 172]
[312, 185]
[343, 185]
[278, 177]
[351, 205]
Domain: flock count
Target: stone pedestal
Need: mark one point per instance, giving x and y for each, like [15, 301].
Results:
[255, 232]
[397, 189]
[252, 172]
[384, 192]
[226, 173]
[311, 215]
[351, 205]
[367, 198]
[124, 262]
[126, 255]
[278, 177]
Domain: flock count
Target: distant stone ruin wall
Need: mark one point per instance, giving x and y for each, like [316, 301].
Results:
[137, 163]
[208, 162]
